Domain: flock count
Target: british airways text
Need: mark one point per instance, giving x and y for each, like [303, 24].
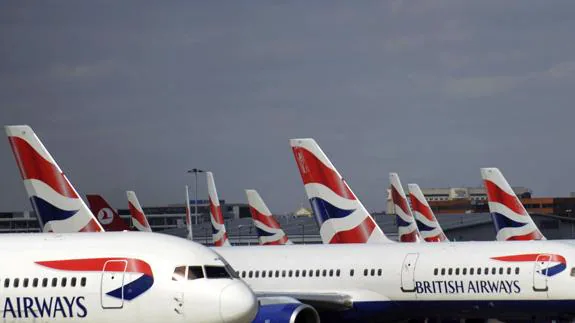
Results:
[45, 307]
[467, 287]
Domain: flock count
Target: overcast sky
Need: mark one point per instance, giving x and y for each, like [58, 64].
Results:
[131, 94]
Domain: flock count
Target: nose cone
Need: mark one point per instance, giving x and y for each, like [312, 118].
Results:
[238, 304]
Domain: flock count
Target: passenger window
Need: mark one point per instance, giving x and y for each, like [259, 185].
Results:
[54, 282]
[35, 282]
[83, 282]
[442, 271]
[311, 273]
[471, 271]
[324, 273]
[195, 272]
[457, 271]
[351, 272]
[297, 273]
[450, 271]
[25, 283]
[435, 272]
[289, 273]
[270, 273]
[500, 270]
[331, 273]
[373, 272]
[508, 270]
[45, 282]
[250, 274]
[16, 282]
[493, 271]
[303, 272]
[478, 271]
[263, 274]
[516, 270]
[72, 282]
[63, 282]
[464, 271]
[179, 273]
[365, 272]
[217, 272]
[283, 273]
[379, 272]
[277, 273]
[6, 283]
[337, 272]
[486, 271]
[257, 274]
[317, 273]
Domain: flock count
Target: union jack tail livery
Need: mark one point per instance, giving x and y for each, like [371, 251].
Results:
[269, 230]
[341, 216]
[139, 219]
[406, 228]
[511, 220]
[427, 223]
[189, 215]
[219, 233]
[106, 215]
[57, 204]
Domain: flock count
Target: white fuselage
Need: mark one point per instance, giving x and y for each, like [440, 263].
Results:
[114, 277]
[396, 277]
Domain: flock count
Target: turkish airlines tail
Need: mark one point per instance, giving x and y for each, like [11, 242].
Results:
[427, 223]
[406, 227]
[219, 233]
[340, 214]
[57, 204]
[139, 219]
[511, 220]
[107, 216]
[268, 228]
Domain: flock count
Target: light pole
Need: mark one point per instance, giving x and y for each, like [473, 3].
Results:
[196, 171]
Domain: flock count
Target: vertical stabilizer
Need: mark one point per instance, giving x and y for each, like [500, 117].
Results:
[139, 219]
[219, 233]
[406, 227]
[427, 223]
[57, 204]
[268, 228]
[511, 220]
[341, 216]
[107, 216]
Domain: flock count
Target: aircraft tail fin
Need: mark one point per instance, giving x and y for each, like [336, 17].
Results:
[340, 214]
[406, 228]
[107, 216]
[268, 228]
[427, 223]
[511, 220]
[57, 204]
[139, 219]
[219, 233]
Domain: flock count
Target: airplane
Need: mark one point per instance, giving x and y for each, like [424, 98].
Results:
[511, 220]
[107, 216]
[106, 277]
[268, 228]
[427, 223]
[55, 201]
[406, 228]
[219, 234]
[139, 220]
[399, 281]
[340, 215]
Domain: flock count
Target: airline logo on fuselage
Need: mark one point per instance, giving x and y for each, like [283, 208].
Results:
[548, 264]
[75, 306]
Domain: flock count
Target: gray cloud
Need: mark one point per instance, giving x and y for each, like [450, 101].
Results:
[129, 95]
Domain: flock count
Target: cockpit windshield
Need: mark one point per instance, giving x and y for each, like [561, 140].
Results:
[217, 272]
[182, 273]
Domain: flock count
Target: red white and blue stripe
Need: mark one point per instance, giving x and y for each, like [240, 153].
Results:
[341, 216]
[267, 227]
[139, 220]
[138, 275]
[551, 264]
[511, 220]
[57, 204]
[426, 221]
[219, 234]
[406, 228]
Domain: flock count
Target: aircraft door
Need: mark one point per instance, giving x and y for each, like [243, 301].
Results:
[112, 287]
[408, 272]
[540, 272]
